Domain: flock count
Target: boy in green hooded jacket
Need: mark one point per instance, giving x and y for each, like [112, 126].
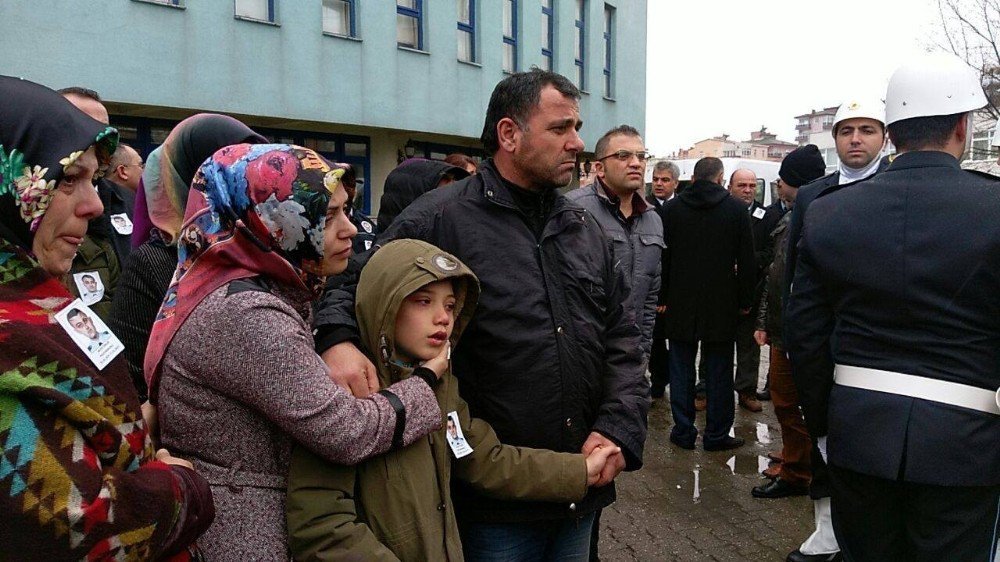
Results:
[413, 302]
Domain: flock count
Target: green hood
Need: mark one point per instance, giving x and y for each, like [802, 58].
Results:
[394, 272]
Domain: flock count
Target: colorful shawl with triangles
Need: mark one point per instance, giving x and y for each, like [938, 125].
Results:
[77, 475]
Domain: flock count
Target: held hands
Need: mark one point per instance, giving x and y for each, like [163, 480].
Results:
[760, 336]
[164, 455]
[439, 364]
[614, 464]
[351, 370]
[597, 460]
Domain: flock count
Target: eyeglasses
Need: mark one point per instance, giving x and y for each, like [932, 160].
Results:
[626, 155]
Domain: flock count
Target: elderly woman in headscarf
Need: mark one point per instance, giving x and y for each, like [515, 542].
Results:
[78, 476]
[231, 365]
[158, 216]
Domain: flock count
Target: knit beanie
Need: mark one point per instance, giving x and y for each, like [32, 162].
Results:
[802, 165]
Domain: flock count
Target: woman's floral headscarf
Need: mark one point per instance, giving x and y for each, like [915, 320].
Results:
[253, 210]
[41, 135]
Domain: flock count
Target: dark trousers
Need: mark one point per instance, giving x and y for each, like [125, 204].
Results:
[718, 379]
[796, 447]
[879, 519]
[747, 355]
[659, 374]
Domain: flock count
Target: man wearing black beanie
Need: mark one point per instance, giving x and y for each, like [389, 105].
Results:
[801, 166]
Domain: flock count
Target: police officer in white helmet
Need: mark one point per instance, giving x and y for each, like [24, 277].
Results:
[894, 315]
[860, 138]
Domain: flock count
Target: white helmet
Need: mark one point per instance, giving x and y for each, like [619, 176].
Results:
[934, 84]
[860, 108]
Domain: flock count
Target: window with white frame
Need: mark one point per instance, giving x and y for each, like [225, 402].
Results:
[510, 35]
[409, 24]
[609, 30]
[581, 51]
[548, 23]
[338, 17]
[467, 30]
[262, 10]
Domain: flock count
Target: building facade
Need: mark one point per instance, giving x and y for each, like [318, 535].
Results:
[362, 81]
[816, 127]
[761, 145]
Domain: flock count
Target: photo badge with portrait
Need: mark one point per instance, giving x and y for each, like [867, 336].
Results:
[89, 286]
[456, 439]
[89, 333]
[122, 224]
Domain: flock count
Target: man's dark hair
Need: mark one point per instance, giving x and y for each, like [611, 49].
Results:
[516, 96]
[708, 168]
[91, 277]
[924, 132]
[83, 92]
[602, 143]
[73, 313]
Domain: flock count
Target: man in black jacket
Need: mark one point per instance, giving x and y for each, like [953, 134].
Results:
[893, 326]
[551, 359]
[708, 278]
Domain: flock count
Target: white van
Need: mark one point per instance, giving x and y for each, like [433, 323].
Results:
[767, 174]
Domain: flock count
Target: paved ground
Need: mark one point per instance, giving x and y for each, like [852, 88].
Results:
[695, 506]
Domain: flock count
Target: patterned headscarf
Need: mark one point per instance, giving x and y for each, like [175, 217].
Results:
[41, 135]
[171, 167]
[253, 210]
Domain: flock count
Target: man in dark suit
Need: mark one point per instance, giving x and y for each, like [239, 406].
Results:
[709, 274]
[896, 337]
[665, 179]
[859, 135]
[743, 187]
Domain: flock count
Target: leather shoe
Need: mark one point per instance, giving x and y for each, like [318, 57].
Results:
[764, 395]
[797, 556]
[749, 402]
[775, 457]
[778, 488]
[725, 444]
[682, 444]
[700, 403]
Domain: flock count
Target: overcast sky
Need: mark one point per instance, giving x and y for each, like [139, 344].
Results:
[726, 66]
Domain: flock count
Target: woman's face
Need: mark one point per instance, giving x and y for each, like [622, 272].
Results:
[337, 234]
[74, 202]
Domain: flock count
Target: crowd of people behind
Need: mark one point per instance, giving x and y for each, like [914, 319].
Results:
[213, 355]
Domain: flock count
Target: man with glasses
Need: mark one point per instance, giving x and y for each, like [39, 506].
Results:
[634, 227]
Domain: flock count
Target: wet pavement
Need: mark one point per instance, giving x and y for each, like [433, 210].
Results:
[696, 506]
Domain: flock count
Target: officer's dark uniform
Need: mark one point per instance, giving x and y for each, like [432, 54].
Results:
[901, 273]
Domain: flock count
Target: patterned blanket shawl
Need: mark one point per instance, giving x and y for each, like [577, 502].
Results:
[77, 475]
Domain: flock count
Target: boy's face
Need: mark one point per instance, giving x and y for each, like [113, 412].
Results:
[425, 321]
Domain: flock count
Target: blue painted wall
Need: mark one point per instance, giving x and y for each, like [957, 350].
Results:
[203, 58]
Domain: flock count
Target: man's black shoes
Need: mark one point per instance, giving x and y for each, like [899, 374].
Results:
[778, 488]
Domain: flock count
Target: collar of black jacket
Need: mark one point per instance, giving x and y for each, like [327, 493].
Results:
[923, 159]
[703, 194]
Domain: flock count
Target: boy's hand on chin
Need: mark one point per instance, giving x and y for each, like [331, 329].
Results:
[439, 364]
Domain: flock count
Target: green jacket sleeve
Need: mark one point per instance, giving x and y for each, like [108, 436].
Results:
[516, 473]
[322, 518]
